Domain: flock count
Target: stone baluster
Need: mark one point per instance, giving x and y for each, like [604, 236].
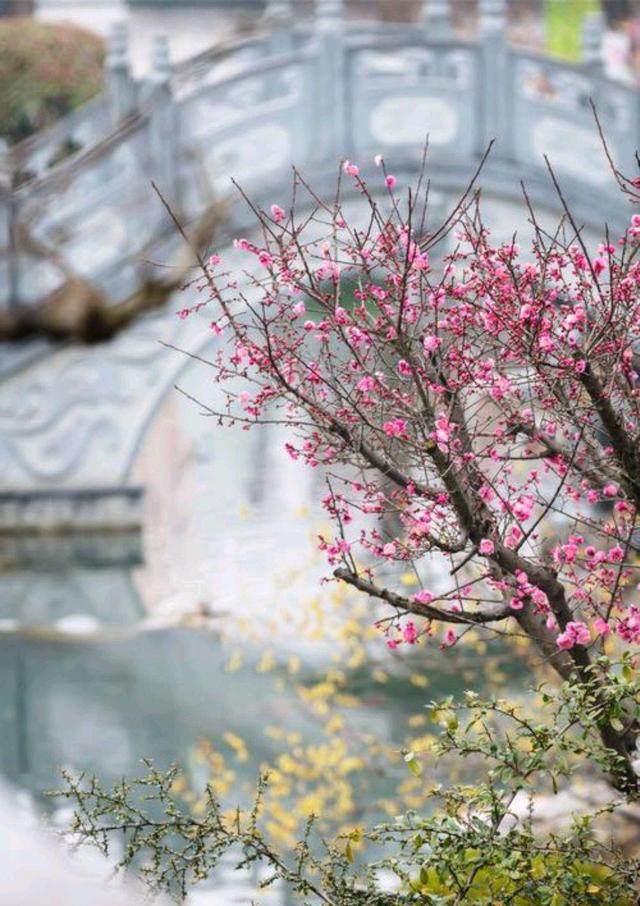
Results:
[329, 119]
[493, 16]
[278, 20]
[329, 15]
[6, 166]
[494, 77]
[8, 251]
[163, 133]
[436, 18]
[161, 69]
[593, 27]
[121, 89]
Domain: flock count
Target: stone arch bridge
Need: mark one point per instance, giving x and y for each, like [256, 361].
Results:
[310, 93]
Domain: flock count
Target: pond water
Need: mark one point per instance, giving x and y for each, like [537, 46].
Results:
[210, 627]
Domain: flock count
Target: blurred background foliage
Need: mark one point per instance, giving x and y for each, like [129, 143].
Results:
[331, 755]
[46, 70]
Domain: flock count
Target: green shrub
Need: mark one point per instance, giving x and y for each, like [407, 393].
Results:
[468, 846]
[45, 71]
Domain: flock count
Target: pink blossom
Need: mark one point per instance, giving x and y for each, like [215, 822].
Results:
[523, 507]
[575, 633]
[487, 493]
[565, 640]
[601, 627]
[423, 596]
[410, 633]
[431, 343]
[582, 634]
[277, 213]
[395, 428]
[299, 309]
[444, 429]
[214, 260]
[450, 638]
[628, 628]
[366, 384]
[540, 599]
[568, 553]
[350, 169]
[610, 490]
[513, 538]
[390, 181]
[486, 547]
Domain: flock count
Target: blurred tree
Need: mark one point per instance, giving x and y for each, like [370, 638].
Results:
[45, 71]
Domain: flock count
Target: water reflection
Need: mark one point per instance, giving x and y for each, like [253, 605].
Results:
[102, 703]
[114, 648]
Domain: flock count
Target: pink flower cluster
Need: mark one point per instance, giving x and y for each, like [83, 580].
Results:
[575, 633]
[459, 407]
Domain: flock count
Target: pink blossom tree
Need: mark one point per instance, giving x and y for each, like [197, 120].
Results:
[476, 411]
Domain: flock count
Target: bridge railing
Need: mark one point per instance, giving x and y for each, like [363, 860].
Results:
[306, 94]
[550, 112]
[90, 217]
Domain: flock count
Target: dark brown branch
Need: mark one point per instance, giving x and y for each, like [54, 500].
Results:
[625, 450]
[79, 311]
[418, 607]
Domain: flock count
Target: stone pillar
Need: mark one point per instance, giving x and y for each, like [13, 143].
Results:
[494, 80]
[163, 137]
[329, 118]
[493, 16]
[593, 28]
[121, 90]
[436, 18]
[278, 20]
[161, 69]
[8, 256]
